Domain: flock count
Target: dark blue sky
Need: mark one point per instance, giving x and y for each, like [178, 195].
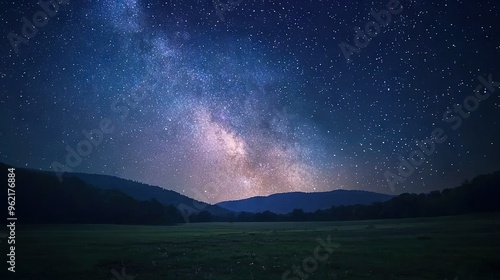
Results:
[166, 93]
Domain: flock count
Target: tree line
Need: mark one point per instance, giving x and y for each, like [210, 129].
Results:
[42, 199]
[482, 194]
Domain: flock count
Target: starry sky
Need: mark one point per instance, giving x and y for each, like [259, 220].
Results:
[222, 100]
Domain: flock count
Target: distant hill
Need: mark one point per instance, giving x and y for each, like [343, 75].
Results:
[480, 195]
[40, 198]
[85, 198]
[146, 192]
[138, 191]
[309, 202]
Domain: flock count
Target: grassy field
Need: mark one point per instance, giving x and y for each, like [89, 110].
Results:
[466, 247]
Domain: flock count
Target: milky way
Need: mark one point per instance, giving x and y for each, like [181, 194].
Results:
[260, 103]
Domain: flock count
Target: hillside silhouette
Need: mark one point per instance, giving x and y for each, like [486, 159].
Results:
[283, 203]
[42, 199]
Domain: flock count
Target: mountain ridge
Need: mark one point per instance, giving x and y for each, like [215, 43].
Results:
[144, 192]
[138, 190]
[282, 203]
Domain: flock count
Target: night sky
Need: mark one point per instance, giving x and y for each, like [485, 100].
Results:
[244, 98]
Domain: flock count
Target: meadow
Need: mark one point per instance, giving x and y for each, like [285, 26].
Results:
[459, 247]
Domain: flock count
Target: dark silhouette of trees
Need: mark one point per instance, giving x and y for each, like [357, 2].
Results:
[297, 215]
[478, 195]
[41, 198]
[201, 217]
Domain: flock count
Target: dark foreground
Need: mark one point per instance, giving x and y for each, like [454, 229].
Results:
[464, 247]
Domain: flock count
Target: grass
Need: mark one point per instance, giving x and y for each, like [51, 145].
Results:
[428, 248]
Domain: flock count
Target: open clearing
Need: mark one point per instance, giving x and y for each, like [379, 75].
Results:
[426, 248]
